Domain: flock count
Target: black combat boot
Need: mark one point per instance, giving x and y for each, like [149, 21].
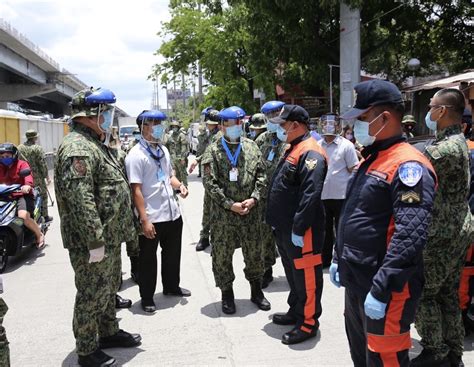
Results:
[257, 296]
[267, 278]
[122, 302]
[202, 244]
[134, 268]
[455, 360]
[428, 359]
[228, 303]
[96, 359]
[121, 339]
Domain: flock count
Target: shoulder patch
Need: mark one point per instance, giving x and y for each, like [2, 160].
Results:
[311, 163]
[410, 197]
[79, 166]
[410, 173]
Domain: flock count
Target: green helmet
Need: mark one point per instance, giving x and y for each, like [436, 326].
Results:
[408, 119]
[31, 133]
[89, 101]
[258, 121]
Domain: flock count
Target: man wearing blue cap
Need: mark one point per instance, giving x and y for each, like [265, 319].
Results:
[234, 178]
[296, 212]
[382, 230]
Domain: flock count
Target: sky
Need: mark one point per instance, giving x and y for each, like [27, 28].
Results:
[105, 43]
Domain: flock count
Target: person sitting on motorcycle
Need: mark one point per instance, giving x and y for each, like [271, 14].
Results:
[10, 167]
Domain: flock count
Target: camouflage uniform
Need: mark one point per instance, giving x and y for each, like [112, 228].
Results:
[230, 230]
[177, 145]
[206, 207]
[438, 319]
[94, 202]
[269, 145]
[34, 155]
[4, 350]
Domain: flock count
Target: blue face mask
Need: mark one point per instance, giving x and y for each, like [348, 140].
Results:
[253, 134]
[271, 127]
[432, 125]
[107, 120]
[7, 161]
[233, 132]
[158, 131]
[282, 134]
[136, 137]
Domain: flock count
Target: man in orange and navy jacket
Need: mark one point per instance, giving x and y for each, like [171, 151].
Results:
[296, 213]
[382, 230]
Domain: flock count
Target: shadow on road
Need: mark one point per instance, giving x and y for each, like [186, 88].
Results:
[277, 331]
[162, 302]
[28, 256]
[122, 356]
[244, 308]
[279, 284]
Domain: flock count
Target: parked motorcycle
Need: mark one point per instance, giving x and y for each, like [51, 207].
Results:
[14, 236]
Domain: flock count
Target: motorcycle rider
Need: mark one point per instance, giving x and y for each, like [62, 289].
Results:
[10, 167]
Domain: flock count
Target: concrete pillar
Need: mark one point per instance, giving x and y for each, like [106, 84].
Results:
[349, 55]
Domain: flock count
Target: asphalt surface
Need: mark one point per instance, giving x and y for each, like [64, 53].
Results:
[39, 290]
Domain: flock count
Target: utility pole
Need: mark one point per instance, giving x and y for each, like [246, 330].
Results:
[349, 55]
[183, 89]
[330, 87]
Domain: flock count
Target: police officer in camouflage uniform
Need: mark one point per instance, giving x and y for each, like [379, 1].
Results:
[272, 150]
[408, 124]
[210, 136]
[33, 153]
[438, 319]
[234, 178]
[258, 125]
[178, 147]
[95, 206]
[4, 349]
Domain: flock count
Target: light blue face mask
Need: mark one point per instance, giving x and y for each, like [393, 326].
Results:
[282, 134]
[271, 127]
[253, 134]
[432, 125]
[107, 120]
[233, 132]
[361, 132]
[157, 131]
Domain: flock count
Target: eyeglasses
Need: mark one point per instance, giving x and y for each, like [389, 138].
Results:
[439, 105]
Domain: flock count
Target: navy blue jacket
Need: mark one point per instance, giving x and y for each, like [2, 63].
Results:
[384, 221]
[294, 198]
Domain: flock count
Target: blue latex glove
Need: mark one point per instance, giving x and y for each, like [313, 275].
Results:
[374, 308]
[334, 275]
[297, 240]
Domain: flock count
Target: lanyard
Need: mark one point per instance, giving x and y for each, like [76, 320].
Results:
[153, 155]
[232, 158]
[274, 142]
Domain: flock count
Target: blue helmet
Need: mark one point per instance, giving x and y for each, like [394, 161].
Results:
[87, 101]
[272, 106]
[232, 113]
[150, 115]
[207, 110]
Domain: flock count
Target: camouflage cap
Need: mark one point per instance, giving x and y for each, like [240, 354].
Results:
[408, 119]
[175, 123]
[80, 107]
[31, 133]
[212, 117]
[258, 121]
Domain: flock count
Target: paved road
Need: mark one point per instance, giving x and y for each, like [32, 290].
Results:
[39, 290]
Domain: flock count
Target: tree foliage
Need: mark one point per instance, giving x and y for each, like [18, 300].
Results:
[244, 45]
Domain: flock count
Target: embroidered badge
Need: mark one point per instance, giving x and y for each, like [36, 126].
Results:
[410, 197]
[410, 173]
[79, 166]
[311, 163]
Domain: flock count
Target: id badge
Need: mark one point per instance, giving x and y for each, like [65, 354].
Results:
[233, 174]
[160, 175]
[271, 155]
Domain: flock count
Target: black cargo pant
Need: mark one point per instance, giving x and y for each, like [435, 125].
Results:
[333, 211]
[303, 270]
[168, 235]
[383, 342]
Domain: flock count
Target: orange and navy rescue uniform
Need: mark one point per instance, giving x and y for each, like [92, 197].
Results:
[382, 231]
[466, 284]
[294, 205]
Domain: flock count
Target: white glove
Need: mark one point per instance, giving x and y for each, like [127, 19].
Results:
[97, 255]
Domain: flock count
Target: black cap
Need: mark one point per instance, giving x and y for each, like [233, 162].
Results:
[291, 112]
[373, 93]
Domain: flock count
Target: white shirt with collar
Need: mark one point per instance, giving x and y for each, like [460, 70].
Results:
[341, 155]
[161, 204]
